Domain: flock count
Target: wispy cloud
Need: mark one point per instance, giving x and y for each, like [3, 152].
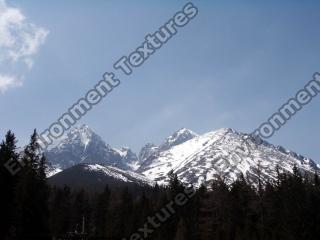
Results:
[8, 81]
[20, 40]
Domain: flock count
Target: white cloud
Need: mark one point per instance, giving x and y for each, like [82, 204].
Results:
[7, 82]
[20, 40]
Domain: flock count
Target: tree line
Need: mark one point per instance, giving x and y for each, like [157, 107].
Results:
[286, 208]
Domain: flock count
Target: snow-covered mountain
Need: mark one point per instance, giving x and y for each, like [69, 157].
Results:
[129, 159]
[150, 150]
[97, 176]
[52, 170]
[82, 145]
[213, 155]
[125, 176]
[180, 136]
[196, 159]
[147, 151]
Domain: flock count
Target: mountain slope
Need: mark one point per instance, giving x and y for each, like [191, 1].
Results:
[97, 176]
[212, 155]
[150, 151]
[82, 145]
[147, 151]
[178, 137]
[195, 158]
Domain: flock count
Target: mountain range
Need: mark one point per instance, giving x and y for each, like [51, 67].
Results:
[83, 154]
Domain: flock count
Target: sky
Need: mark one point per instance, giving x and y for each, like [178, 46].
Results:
[234, 65]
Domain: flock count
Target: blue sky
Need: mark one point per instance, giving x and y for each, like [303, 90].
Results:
[232, 66]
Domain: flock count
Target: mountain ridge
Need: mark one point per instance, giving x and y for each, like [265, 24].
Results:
[194, 158]
[212, 155]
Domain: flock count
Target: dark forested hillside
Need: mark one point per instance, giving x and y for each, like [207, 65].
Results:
[288, 208]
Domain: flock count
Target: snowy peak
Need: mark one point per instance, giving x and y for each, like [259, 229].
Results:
[128, 158]
[84, 130]
[126, 153]
[147, 151]
[83, 134]
[83, 145]
[80, 135]
[195, 158]
[216, 155]
[178, 137]
[150, 150]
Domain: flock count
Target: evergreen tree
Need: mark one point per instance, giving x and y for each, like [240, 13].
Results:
[285, 209]
[124, 221]
[32, 194]
[8, 156]
[60, 211]
[81, 209]
[181, 231]
[316, 179]
[175, 186]
[101, 213]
